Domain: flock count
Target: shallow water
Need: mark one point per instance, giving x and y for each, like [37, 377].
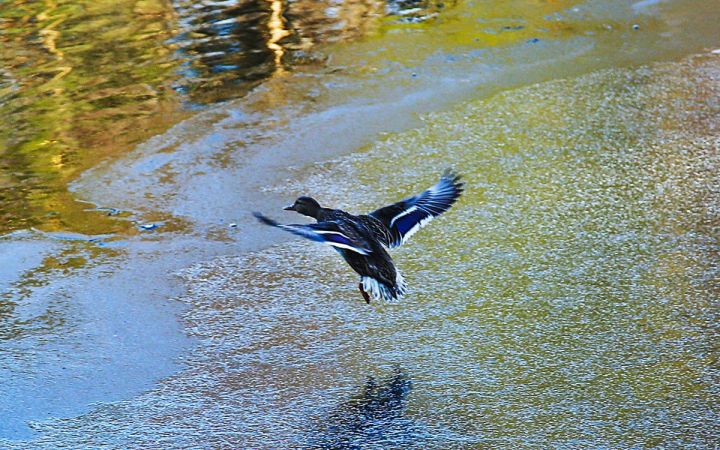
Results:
[569, 300]
[578, 310]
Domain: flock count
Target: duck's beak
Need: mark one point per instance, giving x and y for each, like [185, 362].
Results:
[289, 208]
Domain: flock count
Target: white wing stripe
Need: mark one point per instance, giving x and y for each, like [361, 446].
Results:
[335, 233]
[317, 235]
[348, 247]
[415, 228]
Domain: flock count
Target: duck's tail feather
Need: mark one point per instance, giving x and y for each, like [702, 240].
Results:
[400, 286]
[381, 291]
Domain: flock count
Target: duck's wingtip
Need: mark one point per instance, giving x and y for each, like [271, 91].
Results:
[452, 178]
[451, 173]
[264, 219]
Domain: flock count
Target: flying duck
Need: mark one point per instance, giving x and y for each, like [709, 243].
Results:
[361, 240]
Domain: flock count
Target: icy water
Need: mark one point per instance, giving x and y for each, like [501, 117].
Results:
[568, 301]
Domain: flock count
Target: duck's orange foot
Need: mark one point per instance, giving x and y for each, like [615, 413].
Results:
[364, 294]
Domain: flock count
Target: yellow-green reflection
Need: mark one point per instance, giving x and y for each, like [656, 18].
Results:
[83, 82]
[471, 25]
[86, 81]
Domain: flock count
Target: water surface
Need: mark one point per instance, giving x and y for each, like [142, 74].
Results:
[84, 82]
[566, 301]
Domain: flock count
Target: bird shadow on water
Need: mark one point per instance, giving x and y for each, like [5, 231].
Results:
[375, 416]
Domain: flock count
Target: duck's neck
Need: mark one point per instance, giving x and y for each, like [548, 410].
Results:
[319, 214]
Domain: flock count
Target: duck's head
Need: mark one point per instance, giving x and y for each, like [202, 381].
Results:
[307, 206]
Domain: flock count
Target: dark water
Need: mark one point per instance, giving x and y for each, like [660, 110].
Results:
[82, 82]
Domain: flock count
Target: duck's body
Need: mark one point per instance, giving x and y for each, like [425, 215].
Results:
[377, 270]
[361, 240]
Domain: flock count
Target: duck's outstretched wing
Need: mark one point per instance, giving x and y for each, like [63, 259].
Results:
[329, 233]
[406, 217]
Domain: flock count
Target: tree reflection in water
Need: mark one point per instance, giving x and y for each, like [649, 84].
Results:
[231, 46]
[83, 83]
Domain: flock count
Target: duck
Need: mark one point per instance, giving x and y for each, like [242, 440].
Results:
[363, 240]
